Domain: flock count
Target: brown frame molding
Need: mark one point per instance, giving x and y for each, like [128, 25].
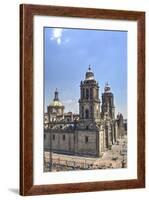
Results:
[26, 99]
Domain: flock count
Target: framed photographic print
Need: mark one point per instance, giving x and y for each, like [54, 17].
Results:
[82, 99]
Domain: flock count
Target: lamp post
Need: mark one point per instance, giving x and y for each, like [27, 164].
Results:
[50, 149]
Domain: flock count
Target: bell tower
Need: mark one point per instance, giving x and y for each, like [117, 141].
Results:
[89, 103]
[108, 108]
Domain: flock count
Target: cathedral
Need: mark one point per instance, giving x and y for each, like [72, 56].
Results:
[91, 132]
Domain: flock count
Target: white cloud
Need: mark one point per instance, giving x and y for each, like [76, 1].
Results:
[57, 35]
[59, 41]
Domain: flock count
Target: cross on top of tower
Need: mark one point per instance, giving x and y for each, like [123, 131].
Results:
[107, 84]
[89, 68]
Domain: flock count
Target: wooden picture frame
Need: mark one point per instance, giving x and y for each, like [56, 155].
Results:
[27, 12]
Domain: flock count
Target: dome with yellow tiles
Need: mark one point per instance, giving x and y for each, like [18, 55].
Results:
[56, 102]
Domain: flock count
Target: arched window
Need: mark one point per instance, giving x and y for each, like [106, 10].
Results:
[83, 93]
[86, 139]
[91, 111]
[82, 111]
[87, 93]
[53, 137]
[86, 114]
[91, 93]
[63, 137]
[97, 95]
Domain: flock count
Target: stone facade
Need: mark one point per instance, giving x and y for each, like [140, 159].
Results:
[89, 133]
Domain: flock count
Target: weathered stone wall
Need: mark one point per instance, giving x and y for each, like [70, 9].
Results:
[60, 141]
[81, 142]
[85, 143]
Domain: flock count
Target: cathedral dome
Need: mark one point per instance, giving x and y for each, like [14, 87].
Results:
[56, 102]
[89, 74]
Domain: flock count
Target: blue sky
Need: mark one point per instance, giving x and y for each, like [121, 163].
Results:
[69, 52]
